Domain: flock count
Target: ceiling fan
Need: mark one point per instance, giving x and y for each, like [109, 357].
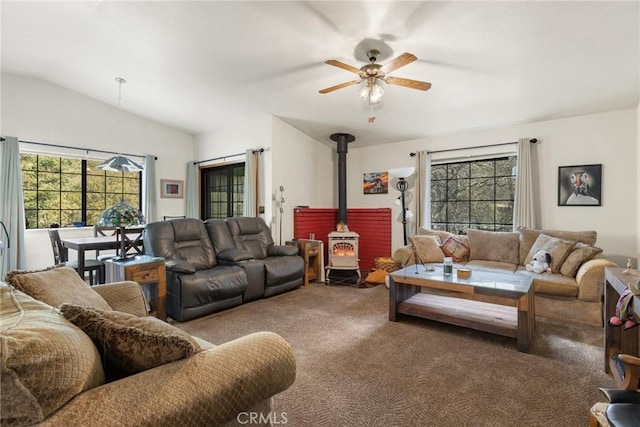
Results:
[372, 72]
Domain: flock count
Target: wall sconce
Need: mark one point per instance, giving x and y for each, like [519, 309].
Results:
[402, 185]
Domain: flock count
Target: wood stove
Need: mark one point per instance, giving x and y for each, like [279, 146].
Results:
[342, 248]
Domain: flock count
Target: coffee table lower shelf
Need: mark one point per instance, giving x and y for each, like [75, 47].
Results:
[482, 316]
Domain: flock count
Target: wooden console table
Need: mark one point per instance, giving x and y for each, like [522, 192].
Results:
[145, 270]
[311, 252]
[616, 339]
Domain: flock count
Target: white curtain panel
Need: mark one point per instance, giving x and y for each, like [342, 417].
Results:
[250, 202]
[523, 209]
[423, 190]
[150, 205]
[12, 208]
[193, 210]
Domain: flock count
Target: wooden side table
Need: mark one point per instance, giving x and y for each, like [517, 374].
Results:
[310, 251]
[616, 339]
[145, 270]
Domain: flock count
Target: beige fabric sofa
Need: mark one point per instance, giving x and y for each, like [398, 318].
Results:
[52, 373]
[572, 292]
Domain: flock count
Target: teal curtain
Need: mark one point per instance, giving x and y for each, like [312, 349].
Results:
[193, 206]
[12, 208]
[150, 204]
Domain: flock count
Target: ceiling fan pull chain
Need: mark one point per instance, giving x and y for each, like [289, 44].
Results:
[372, 118]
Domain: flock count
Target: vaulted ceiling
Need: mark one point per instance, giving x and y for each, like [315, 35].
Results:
[198, 66]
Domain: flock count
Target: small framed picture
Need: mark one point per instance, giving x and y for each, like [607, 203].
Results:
[580, 185]
[171, 188]
[375, 183]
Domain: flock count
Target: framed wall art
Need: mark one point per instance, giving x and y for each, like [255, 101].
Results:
[171, 188]
[580, 185]
[375, 183]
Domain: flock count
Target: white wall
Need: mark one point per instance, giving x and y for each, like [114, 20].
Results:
[37, 110]
[291, 159]
[251, 131]
[305, 168]
[607, 138]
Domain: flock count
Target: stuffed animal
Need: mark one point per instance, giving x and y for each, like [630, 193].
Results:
[624, 313]
[540, 262]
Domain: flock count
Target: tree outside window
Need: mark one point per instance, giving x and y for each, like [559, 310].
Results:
[64, 191]
[476, 194]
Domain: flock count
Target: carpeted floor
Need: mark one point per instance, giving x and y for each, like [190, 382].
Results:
[355, 368]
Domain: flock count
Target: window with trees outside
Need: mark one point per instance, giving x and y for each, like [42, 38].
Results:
[66, 190]
[222, 190]
[475, 194]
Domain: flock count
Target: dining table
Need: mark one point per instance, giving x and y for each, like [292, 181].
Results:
[83, 244]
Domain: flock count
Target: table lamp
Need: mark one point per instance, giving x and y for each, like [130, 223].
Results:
[121, 215]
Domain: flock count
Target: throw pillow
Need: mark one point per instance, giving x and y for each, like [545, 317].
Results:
[55, 286]
[494, 246]
[440, 234]
[377, 276]
[587, 237]
[528, 237]
[46, 360]
[580, 254]
[131, 343]
[559, 249]
[455, 249]
[427, 248]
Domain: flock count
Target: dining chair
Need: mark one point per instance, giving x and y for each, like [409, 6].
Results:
[105, 231]
[61, 255]
[132, 237]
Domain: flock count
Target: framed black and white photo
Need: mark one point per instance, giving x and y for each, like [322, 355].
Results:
[580, 185]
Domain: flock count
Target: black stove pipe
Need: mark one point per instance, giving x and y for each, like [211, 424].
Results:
[342, 139]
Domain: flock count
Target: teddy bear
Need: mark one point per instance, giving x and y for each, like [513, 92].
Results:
[540, 262]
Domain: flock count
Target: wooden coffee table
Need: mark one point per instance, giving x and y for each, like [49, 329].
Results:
[499, 303]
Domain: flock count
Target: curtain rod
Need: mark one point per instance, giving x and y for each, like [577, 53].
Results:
[78, 148]
[259, 151]
[532, 140]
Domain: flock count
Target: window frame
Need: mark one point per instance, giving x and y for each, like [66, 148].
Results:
[84, 174]
[460, 224]
[233, 192]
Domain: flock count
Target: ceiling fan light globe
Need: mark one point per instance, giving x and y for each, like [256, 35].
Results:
[375, 94]
[371, 94]
[363, 93]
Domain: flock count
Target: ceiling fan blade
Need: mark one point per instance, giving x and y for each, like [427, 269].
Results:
[400, 61]
[343, 66]
[340, 86]
[413, 84]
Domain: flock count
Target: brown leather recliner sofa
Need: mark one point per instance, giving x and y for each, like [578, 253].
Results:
[218, 264]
